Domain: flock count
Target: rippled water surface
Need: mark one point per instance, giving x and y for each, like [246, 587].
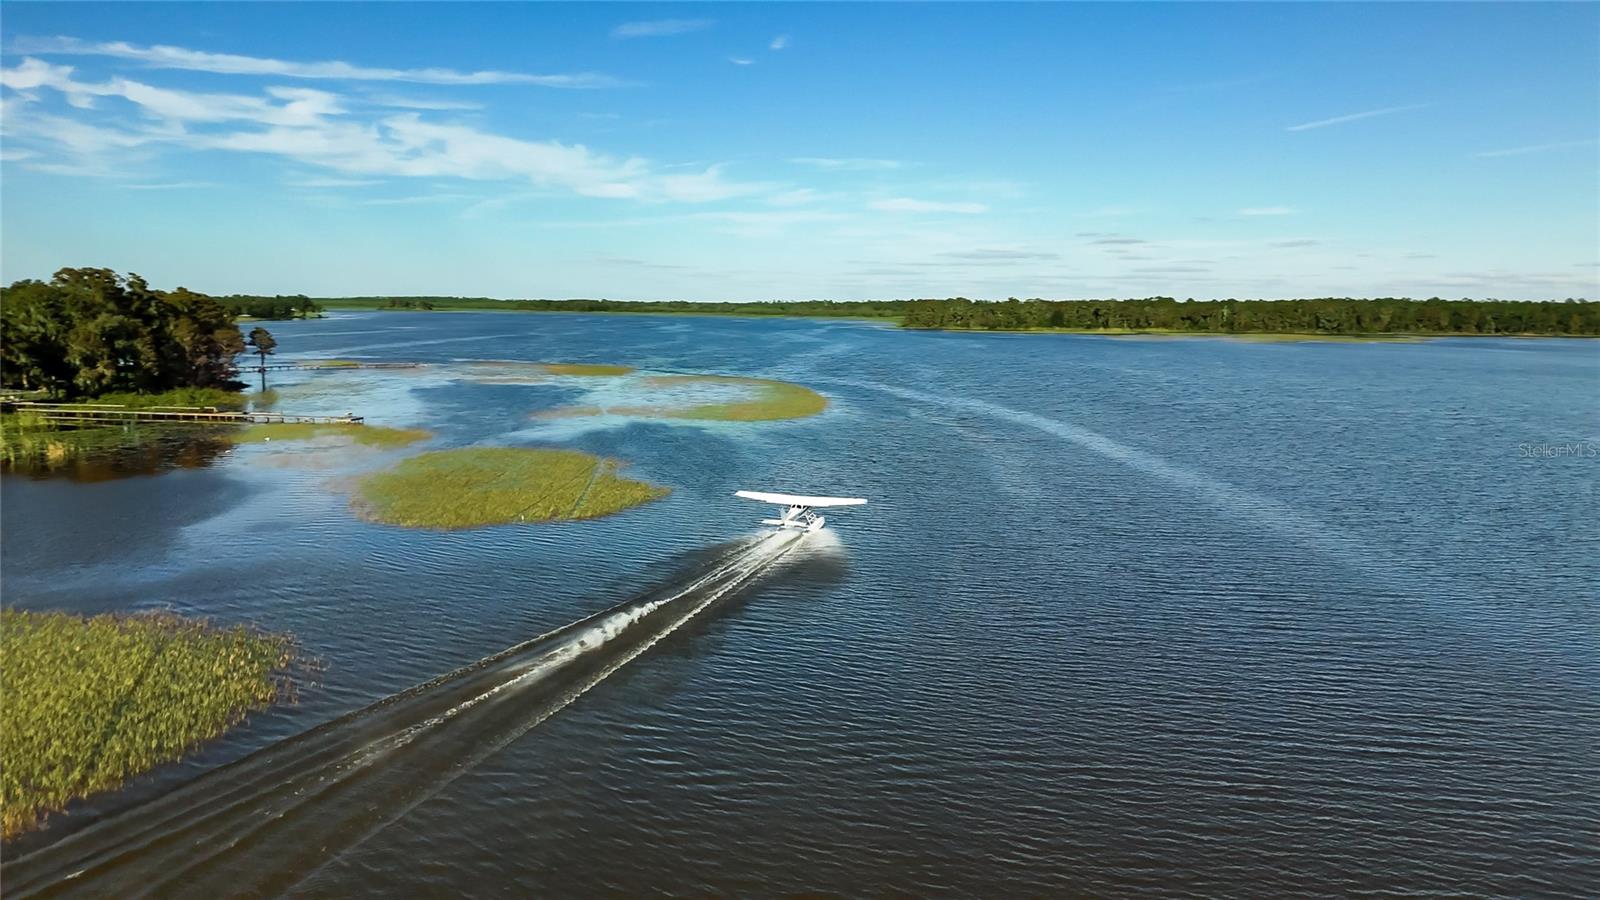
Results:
[1193, 616]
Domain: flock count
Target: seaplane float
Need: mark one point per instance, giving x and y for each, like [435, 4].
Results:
[798, 511]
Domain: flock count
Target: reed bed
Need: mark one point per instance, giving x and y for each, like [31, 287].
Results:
[477, 486]
[378, 436]
[587, 369]
[91, 702]
[768, 400]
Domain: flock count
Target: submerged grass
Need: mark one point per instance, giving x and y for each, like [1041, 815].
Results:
[365, 435]
[591, 369]
[476, 486]
[91, 702]
[30, 445]
[569, 412]
[769, 400]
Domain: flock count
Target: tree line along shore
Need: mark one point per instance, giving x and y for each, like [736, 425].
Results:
[1327, 315]
[96, 292]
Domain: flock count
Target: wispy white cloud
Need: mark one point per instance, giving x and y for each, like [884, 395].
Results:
[1355, 117]
[399, 101]
[332, 182]
[909, 205]
[798, 197]
[1538, 148]
[1000, 254]
[166, 57]
[323, 130]
[767, 223]
[1108, 212]
[779, 42]
[660, 27]
[850, 164]
[1267, 211]
[170, 185]
[740, 60]
[416, 199]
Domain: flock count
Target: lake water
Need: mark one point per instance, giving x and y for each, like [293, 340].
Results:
[1188, 616]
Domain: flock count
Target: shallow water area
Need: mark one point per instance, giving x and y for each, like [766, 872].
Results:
[1197, 617]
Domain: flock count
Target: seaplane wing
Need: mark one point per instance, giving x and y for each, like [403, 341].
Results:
[796, 500]
[797, 508]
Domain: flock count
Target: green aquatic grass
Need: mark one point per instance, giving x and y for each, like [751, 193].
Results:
[366, 435]
[26, 438]
[476, 486]
[587, 369]
[91, 452]
[201, 397]
[568, 412]
[769, 400]
[91, 702]
[517, 372]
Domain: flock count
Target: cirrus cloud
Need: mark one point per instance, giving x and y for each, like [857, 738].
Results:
[167, 57]
[318, 129]
[660, 28]
[909, 205]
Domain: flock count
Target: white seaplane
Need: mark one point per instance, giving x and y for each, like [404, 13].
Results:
[798, 515]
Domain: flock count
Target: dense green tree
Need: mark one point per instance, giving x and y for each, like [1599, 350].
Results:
[262, 343]
[92, 331]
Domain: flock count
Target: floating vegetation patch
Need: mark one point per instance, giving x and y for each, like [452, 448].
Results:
[264, 400]
[91, 702]
[477, 486]
[507, 372]
[364, 435]
[511, 372]
[758, 399]
[587, 369]
[569, 412]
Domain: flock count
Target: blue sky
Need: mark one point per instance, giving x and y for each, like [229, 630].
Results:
[786, 151]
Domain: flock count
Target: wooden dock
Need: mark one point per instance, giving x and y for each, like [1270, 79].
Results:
[106, 413]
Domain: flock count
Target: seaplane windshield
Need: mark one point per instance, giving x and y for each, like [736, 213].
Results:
[797, 508]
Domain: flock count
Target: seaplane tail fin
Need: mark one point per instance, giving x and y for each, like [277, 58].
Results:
[799, 500]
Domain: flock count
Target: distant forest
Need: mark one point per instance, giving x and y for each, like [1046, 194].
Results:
[886, 309]
[1333, 315]
[294, 306]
